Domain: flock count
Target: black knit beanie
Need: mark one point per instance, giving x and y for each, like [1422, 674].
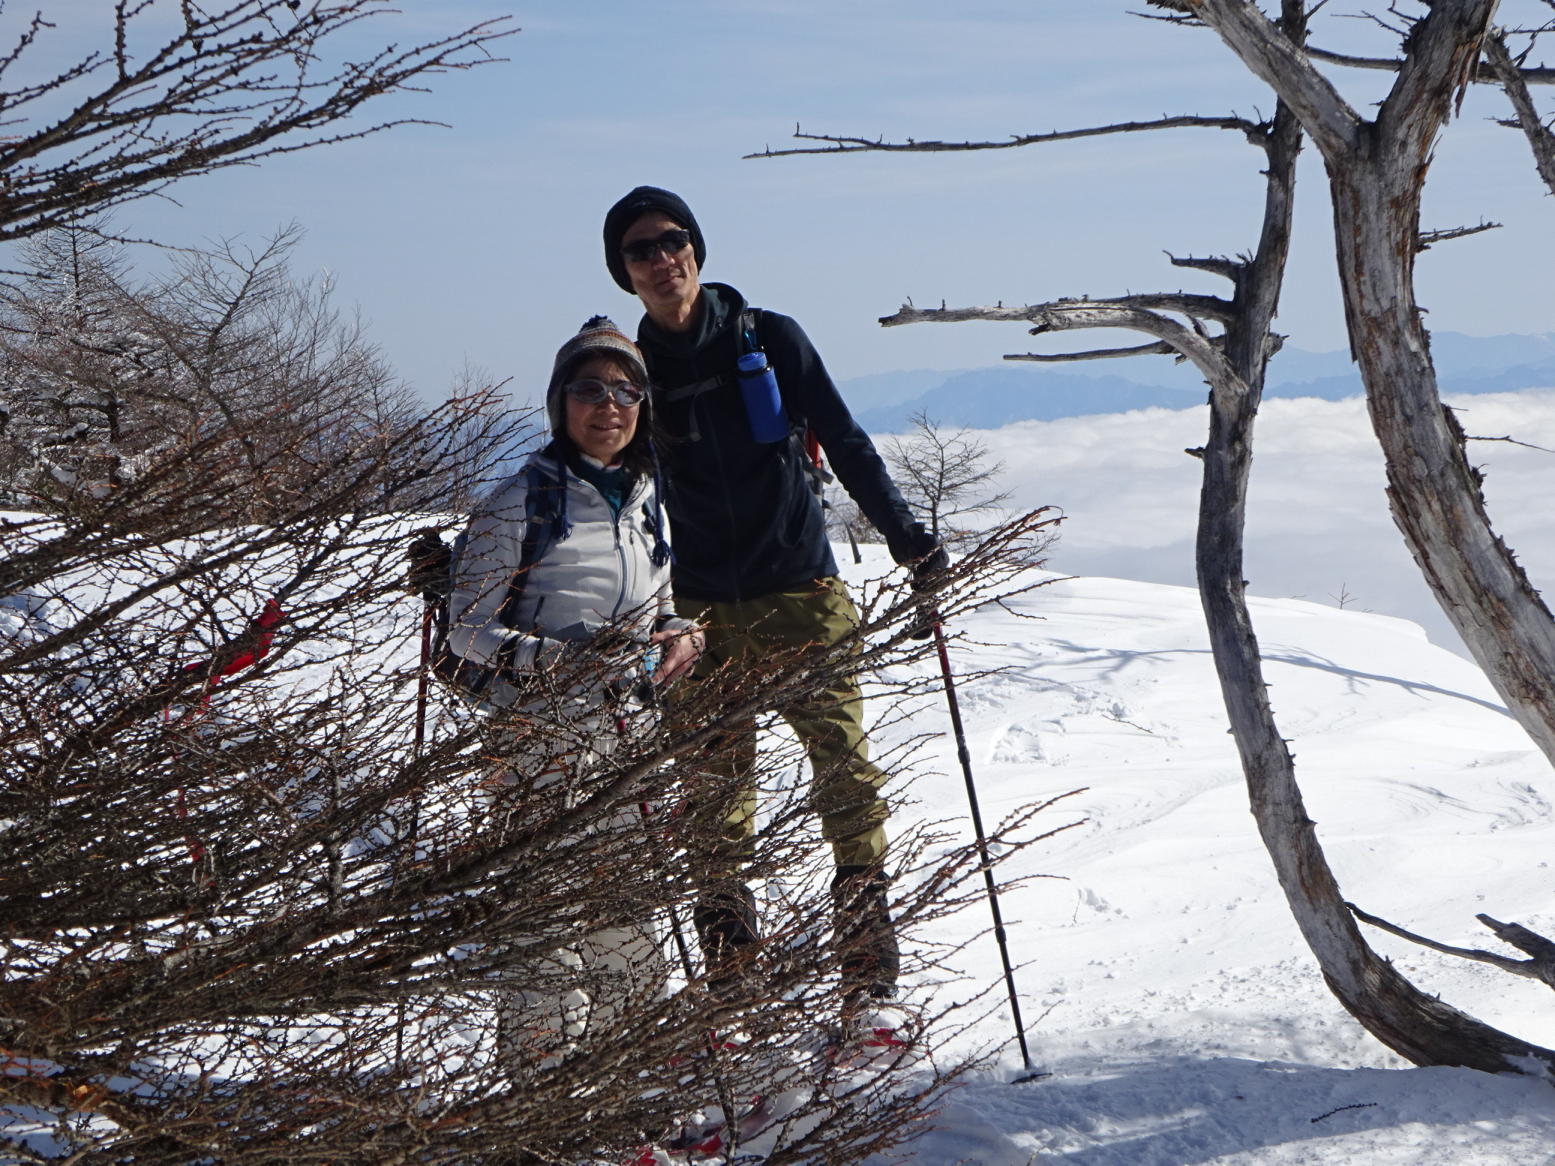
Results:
[598, 337]
[626, 212]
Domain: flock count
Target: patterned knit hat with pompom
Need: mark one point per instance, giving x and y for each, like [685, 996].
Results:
[598, 337]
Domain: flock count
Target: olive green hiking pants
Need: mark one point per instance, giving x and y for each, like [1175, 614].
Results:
[845, 788]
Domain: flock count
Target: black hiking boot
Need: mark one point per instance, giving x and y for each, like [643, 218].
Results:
[725, 921]
[867, 952]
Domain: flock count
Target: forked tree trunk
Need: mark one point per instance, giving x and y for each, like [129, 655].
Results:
[1413, 1024]
[1391, 346]
[1376, 171]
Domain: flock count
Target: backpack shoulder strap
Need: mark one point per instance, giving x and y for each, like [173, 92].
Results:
[696, 388]
[545, 522]
[802, 439]
[747, 340]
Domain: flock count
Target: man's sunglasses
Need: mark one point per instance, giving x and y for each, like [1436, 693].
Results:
[644, 250]
[593, 391]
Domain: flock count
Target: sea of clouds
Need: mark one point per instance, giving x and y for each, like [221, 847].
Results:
[1318, 525]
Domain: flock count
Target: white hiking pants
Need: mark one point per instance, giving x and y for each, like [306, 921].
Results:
[546, 1005]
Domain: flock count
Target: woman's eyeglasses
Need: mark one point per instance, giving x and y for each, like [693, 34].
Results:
[643, 250]
[593, 391]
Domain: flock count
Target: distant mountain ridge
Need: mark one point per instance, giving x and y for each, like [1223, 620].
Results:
[988, 398]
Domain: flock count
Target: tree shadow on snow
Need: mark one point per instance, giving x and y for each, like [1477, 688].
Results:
[1179, 1111]
[1115, 660]
[1309, 660]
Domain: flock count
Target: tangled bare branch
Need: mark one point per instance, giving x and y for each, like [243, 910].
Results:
[248, 917]
[223, 87]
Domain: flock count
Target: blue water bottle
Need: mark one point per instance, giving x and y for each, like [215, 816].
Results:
[763, 404]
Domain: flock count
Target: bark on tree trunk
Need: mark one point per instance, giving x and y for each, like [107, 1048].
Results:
[1433, 491]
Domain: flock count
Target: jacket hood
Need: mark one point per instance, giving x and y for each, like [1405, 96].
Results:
[721, 308]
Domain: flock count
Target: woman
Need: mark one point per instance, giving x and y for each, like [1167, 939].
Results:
[562, 592]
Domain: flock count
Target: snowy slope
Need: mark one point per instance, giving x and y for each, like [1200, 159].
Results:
[1163, 981]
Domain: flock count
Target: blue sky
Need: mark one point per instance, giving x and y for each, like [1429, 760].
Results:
[480, 243]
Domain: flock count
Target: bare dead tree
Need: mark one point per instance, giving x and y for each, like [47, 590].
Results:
[946, 477]
[181, 89]
[1232, 361]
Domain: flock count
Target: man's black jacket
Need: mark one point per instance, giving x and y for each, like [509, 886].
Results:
[744, 519]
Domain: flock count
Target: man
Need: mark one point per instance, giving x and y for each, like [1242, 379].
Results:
[753, 564]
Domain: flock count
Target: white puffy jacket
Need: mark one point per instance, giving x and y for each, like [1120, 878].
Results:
[602, 573]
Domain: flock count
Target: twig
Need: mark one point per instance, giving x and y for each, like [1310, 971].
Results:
[1122, 720]
[1511, 441]
[1426, 238]
[1342, 1108]
[1159, 348]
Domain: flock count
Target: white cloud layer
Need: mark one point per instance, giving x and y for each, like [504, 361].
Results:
[1318, 523]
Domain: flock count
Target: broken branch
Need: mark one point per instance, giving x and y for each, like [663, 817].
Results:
[1256, 132]
[1160, 347]
[1541, 967]
[1427, 238]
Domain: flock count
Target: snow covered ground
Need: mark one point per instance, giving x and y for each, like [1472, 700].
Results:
[1164, 984]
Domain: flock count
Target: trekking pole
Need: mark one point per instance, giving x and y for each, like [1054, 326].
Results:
[422, 677]
[720, 1086]
[648, 696]
[415, 805]
[681, 946]
[1032, 1073]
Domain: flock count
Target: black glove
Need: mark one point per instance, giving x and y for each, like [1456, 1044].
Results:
[430, 558]
[928, 573]
[928, 578]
